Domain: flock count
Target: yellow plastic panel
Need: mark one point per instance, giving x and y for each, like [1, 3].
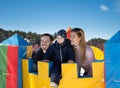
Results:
[29, 52]
[99, 54]
[69, 76]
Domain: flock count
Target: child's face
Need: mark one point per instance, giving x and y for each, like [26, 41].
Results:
[60, 39]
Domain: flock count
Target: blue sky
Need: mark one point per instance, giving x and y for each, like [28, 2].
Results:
[98, 18]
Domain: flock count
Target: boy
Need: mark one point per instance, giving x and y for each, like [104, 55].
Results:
[59, 52]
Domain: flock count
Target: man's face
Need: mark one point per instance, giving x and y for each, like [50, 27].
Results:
[45, 42]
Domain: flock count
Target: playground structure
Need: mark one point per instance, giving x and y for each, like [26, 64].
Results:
[19, 74]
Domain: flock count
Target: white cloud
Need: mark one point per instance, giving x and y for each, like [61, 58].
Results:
[104, 8]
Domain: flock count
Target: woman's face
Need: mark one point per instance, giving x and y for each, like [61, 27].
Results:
[75, 40]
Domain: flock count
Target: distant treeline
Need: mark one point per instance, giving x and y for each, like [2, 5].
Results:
[33, 37]
[97, 42]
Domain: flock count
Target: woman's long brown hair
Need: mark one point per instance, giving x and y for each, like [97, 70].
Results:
[82, 43]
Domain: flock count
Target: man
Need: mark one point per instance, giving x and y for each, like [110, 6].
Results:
[40, 49]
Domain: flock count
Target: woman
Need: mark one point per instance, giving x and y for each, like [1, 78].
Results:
[83, 53]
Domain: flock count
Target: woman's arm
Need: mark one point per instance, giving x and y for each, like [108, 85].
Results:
[90, 57]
